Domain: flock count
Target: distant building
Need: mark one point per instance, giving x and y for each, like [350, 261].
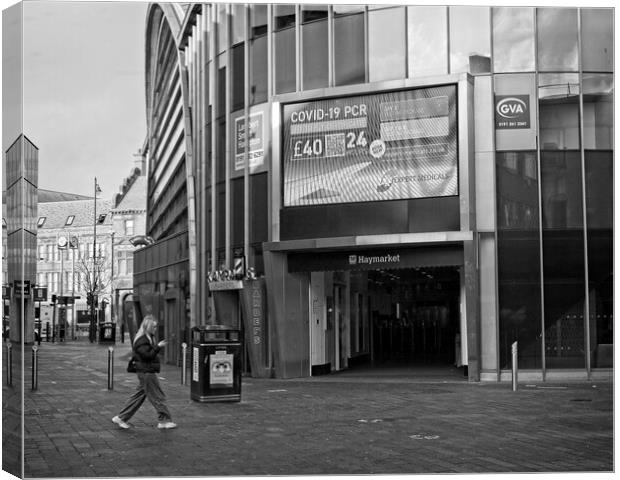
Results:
[64, 271]
[128, 215]
[70, 216]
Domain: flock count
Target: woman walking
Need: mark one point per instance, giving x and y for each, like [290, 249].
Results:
[145, 353]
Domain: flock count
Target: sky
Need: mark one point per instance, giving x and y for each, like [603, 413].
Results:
[83, 91]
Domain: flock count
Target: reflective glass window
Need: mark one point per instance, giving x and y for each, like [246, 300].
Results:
[238, 76]
[284, 16]
[347, 9]
[557, 39]
[285, 60]
[258, 20]
[600, 235]
[258, 66]
[237, 23]
[513, 39]
[597, 39]
[428, 41]
[598, 109]
[311, 13]
[470, 40]
[518, 255]
[315, 54]
[349, 58]
[222, 28]
[386, 44]
[558, 106]
[563, 258]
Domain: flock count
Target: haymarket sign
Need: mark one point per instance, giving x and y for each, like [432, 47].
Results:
[446, 255]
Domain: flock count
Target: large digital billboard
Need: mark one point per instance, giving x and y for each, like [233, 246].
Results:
[384, 146]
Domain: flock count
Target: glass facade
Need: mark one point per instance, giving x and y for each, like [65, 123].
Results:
[553, 213]
[562, 315]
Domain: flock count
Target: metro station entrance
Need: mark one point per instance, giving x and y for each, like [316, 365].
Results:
[384, 318]
[415, 316]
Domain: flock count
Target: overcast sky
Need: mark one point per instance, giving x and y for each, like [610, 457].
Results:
[83, 91]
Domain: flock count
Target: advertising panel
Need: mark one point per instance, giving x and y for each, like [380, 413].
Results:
[256, 153]
[383, 146]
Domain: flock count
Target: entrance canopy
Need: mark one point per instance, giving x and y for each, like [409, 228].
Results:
[373, 259]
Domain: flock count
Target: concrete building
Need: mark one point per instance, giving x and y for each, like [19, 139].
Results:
[424, 185]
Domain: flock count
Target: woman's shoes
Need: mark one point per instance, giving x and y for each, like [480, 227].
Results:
[120, 422]
[166, 425]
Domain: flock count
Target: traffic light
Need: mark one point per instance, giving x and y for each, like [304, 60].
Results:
[54, 298]
[89, 299]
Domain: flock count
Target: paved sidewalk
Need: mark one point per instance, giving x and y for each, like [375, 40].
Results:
[336, 424]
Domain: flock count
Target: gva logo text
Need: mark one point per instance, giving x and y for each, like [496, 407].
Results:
[511, 107]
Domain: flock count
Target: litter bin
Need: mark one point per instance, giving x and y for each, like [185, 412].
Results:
[107, 332]
[216, 364]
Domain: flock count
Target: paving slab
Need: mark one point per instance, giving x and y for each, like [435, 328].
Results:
[339, 424]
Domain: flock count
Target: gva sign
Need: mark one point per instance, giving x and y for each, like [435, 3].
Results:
[512, 111]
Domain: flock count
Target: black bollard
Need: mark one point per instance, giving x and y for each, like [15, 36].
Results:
[9, 364]
[110, 368]
[35, 367]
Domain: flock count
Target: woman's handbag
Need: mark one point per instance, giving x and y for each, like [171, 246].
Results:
[131, 366]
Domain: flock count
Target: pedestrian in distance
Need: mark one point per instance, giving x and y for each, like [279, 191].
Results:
[145, 353]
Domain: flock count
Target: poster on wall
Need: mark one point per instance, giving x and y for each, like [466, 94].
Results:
[383, 146]
[256, 151]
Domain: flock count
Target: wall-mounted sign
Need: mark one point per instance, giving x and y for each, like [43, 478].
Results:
[512, 111]
[256, 153]
[40, 294]
[448, 255]
[221, 369]
[226, 285]
[383, 146]
[21, 288]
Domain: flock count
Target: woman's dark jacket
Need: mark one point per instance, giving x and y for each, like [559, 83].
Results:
[145, 355]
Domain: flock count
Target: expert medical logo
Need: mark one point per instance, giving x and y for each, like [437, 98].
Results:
[512, 111]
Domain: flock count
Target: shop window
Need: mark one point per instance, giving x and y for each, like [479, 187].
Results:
[387, 44]
[315, 52]
[557, 39]
[597, 39]
[348, 9]
[470, 40]
[428, 40]
[518, 257]
[513, 39]
[349, 56]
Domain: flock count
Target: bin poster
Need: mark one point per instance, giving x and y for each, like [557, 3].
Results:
[195, 364]
[221, 369]
[383, 146]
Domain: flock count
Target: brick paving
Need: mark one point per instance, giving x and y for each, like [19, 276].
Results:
[348, 423]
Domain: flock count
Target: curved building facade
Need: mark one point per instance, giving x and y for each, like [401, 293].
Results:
[415, 185]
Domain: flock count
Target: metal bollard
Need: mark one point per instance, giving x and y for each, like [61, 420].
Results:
[9, 364]
[110, 368]
[35, 367]
[514, 367]
[184, 358]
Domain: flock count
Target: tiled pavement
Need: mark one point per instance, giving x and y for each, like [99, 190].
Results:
[336, 424]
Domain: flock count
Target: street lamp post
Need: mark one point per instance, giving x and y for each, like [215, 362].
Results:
[93, 323]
